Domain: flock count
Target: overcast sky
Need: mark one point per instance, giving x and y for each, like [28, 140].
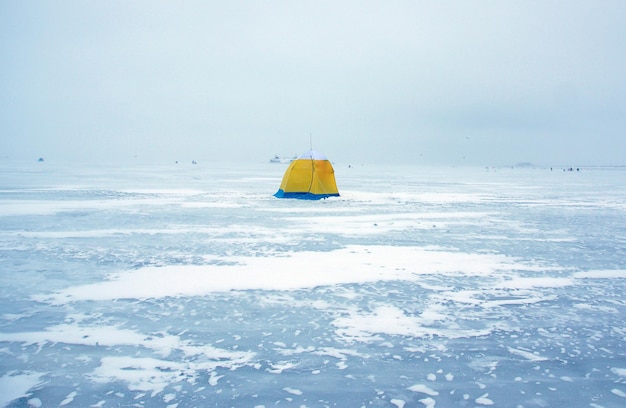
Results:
[433, 82]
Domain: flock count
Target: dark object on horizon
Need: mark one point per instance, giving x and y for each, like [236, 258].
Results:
[40, 159]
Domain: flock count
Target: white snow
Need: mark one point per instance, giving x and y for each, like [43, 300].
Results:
[527, 354]
[483, 400]
[619, 371]
[397, 402]
[14, 385]
[292, 391]
[298, 270]
[35, 403]
[142, 374]
[281, 366]
[214, 378]
[424, 389]
[428, 402]
[601, 274]
[618, 392]
[69, 398]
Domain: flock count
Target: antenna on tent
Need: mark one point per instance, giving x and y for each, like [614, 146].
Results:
[310, 141]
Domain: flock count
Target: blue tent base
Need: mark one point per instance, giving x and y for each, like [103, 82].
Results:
[303, 196]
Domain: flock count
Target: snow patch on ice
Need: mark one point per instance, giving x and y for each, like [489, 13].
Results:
[428, 402]
[141, 374]
[398, 402]
[619, 392]
[35, 403]
[526, 354]
[15, 208]
[424, 389]
[69, 398]
[153, 375]
[293, 391]
[619, 371]
[601, 274]
[281, 366]
[145, 374]
[371, 224]
[483, 400]
[352, 264]
[214, 378]
[16, 385]
[162, 343]
[363, 326]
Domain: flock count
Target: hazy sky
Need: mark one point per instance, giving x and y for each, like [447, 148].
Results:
[475, 82]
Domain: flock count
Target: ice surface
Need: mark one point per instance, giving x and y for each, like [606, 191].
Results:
[191, 286]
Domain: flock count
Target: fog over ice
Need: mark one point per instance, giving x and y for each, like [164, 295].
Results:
[483, 83]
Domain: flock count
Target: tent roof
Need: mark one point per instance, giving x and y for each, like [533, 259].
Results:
[312, 155]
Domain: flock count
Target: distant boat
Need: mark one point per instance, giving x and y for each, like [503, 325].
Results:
[282, 160]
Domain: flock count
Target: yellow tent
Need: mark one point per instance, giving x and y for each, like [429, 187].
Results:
[309, 177]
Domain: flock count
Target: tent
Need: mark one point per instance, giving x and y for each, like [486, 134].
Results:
[309, 177]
